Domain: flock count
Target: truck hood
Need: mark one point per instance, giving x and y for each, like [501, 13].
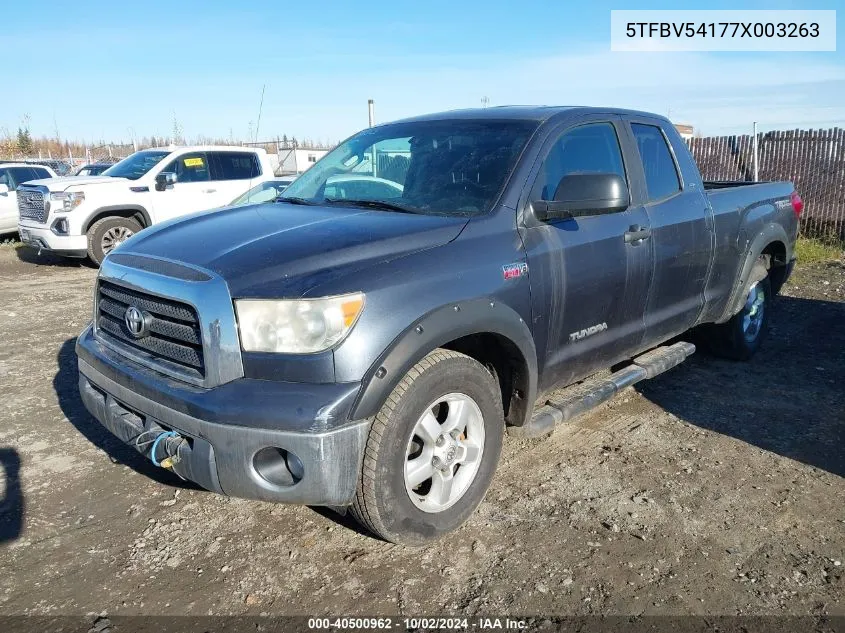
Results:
[63, 182]
[282, 250]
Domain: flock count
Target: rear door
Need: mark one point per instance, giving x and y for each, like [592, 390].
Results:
[232, 174]
[680, 223]
[589, 284]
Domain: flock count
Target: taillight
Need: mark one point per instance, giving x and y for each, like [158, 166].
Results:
[797, 204]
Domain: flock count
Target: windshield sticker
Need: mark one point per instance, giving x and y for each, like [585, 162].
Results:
[193, 162]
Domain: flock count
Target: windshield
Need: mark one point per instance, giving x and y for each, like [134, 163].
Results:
[136, 165]
[265, 192]
[452, 167]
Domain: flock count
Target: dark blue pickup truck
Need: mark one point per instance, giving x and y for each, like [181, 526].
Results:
[365, 340]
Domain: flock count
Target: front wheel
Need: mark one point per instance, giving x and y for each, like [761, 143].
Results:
[107, 234]
[432, 450]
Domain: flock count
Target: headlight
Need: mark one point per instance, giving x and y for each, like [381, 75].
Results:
[296, 326]
[69, 199]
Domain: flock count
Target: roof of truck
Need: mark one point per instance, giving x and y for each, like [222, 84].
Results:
[206, 148]
[13, 164]
[523, 113]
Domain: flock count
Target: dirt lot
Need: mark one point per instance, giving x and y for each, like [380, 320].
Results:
[715, 489]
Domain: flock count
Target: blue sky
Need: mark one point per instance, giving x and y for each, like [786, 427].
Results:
[95, 70]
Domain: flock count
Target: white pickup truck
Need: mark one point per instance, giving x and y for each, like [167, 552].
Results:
[11, 176]
[82, 216]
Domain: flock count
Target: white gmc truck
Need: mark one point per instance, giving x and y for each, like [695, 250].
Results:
[88, 216]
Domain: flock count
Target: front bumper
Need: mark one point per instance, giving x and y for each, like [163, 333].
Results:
[42, 237]
[227, 426]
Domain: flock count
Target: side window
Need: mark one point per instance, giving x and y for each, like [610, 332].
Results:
[591, 148]
[192, 167]
[234, 165]
[661, 174]
[39, 172]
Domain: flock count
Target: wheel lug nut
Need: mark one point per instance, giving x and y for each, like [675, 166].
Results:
[440, 441]
[435, 461]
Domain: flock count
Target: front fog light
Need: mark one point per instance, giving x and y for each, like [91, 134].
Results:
[299, 326]
[60, 227]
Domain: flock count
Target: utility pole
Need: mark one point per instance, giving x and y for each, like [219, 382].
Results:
[372, 113]
[260, 108]
[756, 156]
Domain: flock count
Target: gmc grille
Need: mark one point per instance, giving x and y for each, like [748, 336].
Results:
[31, 205]
[173, 332]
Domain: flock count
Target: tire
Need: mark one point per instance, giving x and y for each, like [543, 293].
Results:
[445, 388]
[113, 227]
[741, 337]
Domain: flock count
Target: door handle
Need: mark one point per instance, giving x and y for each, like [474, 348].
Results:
[636, 234]
[209, 190]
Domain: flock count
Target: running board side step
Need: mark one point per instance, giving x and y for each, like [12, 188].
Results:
[566, 404]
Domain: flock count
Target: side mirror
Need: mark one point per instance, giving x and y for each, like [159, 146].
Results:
[164, 180]
[4, 189]
[580, 195]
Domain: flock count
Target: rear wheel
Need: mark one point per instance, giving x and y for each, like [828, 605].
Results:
[107, 234]
[742, 336]
[431, 451]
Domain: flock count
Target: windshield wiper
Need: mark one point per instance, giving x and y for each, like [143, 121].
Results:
[294, 200]
[373, 204]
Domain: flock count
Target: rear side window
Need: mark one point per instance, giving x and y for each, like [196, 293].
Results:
[234, 165]
[592, 148]
[661, 175]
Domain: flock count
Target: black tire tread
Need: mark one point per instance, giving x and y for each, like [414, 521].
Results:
[364, 507]
[723, 340]
[130, 223]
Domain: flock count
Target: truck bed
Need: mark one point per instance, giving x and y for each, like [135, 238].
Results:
[727, 195]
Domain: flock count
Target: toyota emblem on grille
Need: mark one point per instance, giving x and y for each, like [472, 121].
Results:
[137, 322]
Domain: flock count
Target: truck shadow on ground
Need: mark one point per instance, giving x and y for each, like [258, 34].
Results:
[11, 501]
[30, 255]
[788, 399]
[66, 386]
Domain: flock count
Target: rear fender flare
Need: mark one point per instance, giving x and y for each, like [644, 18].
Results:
[769, 233]
[445, 324]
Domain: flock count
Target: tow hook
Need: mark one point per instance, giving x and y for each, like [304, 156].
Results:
[169, 442]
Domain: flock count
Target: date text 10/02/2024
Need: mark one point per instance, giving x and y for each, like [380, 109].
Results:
[417, 623]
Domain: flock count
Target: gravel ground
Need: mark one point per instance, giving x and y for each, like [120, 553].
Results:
[716, 488]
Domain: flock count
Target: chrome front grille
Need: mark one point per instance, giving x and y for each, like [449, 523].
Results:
[32, 205]
[190, 332]
[172, 331]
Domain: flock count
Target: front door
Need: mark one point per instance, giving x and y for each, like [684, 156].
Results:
[192, 191]
[589, 285]
[8, 204]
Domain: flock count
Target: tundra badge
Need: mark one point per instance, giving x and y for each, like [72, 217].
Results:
[593, 329]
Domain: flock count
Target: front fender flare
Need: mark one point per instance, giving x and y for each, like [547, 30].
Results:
[105, 210]
[438, 327]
